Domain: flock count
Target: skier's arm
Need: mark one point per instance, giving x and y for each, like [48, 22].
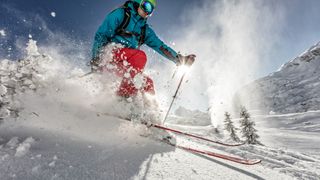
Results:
[107, 30]
[156, 44]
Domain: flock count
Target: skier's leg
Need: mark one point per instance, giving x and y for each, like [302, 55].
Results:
[129, 63]
[148, 86]
[129, 60]
[127, 88]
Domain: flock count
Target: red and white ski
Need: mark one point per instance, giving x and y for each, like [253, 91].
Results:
[179, 132]
[197, 151]
[192, 135]
[217, 155]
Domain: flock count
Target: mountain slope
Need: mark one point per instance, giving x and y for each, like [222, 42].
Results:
[295, 87]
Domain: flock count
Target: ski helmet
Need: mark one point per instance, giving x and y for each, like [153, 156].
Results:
[153, 2]
[147, 6]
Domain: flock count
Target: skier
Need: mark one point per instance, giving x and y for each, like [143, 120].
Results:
[128, 26]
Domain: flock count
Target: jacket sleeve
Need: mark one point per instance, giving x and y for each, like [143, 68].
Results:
[107, 30]
[156, 44]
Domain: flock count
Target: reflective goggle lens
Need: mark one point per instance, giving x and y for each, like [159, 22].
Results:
[147, 7]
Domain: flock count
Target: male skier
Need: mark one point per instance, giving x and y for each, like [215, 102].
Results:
[128, 26]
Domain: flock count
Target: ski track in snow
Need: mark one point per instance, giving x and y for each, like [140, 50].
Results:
[55, 128]
[62, 156]
[300, 165]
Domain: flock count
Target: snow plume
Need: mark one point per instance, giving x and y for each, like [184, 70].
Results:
[44, 89]
[2, 33]
[70, 47]
[230, 39]
[53, 14]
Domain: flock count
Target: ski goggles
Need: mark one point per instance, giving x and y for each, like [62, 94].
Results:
[147, 7]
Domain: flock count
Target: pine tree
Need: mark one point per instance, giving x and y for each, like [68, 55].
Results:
[230, 127]
[248, 131]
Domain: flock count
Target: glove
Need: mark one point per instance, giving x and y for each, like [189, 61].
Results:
[94, 63]
[185, 60]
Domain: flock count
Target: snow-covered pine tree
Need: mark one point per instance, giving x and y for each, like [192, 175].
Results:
[230, 127]
[248, 131]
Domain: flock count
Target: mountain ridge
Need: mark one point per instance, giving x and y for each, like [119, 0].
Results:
[295, 87]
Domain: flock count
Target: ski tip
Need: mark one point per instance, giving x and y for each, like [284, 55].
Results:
[252, 162]
[239, 144]
[230, 145]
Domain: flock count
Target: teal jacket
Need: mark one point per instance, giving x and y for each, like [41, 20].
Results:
[107, 33]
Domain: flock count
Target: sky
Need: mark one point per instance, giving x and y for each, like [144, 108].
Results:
[80, 19]
[235, 41]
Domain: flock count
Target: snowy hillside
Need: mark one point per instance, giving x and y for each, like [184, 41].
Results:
[56, 126]
[184, 116]
[295, 87]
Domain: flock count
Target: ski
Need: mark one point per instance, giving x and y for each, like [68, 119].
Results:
[197, 151]
[216, 155]
[179, 132]
[193, 136]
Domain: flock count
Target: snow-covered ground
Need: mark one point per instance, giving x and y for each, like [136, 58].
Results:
[55, 126]
[298, 131]
[110, 148]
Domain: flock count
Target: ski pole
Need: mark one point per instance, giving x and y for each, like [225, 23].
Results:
[86, 74]
[174, 97]
[174, 73]
[81, 76]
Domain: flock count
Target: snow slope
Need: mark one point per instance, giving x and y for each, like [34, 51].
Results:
[184, 116]
[124, 154]
[55, 126]
[294, 88]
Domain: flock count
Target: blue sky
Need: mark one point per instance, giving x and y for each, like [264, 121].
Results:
[79, 20]
[300, 29]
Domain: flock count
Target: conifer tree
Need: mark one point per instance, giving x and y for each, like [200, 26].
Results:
[247, 128]
[230, 127]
